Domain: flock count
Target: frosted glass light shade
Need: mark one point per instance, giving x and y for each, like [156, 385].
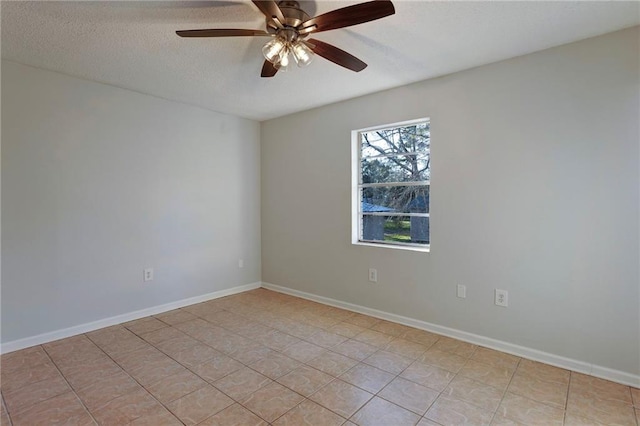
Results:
[302, 54]
[273, 49]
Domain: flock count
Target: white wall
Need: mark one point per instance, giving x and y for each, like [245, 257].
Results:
[99, 183]
[535, 189]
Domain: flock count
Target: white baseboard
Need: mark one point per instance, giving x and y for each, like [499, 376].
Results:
[118, 319]
[521, 351]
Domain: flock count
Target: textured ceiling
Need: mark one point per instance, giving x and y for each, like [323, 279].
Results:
[133, 45]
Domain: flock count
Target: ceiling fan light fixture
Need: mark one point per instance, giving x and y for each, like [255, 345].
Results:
[272, 51]
[302, 54]
[283, 62]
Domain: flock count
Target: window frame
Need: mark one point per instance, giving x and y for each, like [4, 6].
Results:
[356, 187]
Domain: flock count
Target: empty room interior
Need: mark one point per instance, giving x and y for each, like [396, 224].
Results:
[220, 213]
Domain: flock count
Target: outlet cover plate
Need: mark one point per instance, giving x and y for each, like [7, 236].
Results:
[502, 298]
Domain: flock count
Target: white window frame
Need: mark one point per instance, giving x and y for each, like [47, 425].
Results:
[356, 187]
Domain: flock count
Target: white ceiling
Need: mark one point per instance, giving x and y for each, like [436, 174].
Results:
[133, 45]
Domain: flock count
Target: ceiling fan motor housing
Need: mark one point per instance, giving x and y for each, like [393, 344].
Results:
[292, 13]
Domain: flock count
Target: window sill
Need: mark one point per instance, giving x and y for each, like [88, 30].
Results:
[423, 249]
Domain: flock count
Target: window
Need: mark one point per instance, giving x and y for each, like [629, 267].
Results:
[391, 173]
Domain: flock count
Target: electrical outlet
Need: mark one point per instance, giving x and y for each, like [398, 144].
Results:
[502, 298]
[462, 291]
[147, 274]
[240, 263]
[373, 275]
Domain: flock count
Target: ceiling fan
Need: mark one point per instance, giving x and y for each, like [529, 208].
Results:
[288, 26]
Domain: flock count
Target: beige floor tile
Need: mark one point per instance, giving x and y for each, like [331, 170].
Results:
[346, 329]
[242, 383]
[144, 325]
[326, 339]
[84, 374]
[426, 422]
[543, 371]
[388, 361]
[495, 358]
[550, 393]
[156, 370]
[362, 320]
[421, 336]
[176, 386]
[604, 410]
[65, 409]
[409, 395]
[406, 348]
[455, 346]
[379, 412]
[217, 367]
[234, 415]
[195, 407]
[600, 389]
[123, 346]
[341, 398]
[391, 328]
[448, 411]
[528, 411]
[428, 375]
[99, 393]
[305, 380]
[252, 330]
[374, 338]
[194, 355]
[354, 349]
[26, 396]
[230, 343]
[77, 349]
[109, 335]
[445, 360]
[160, 417]
[140, 357]
[272, 401]
[176, 316]
[303, 351]
[367, 377]
[500, 420]
[25, 358]
[158, 336]
[474, 392]
[498, 377]
[575, 419]
[250, 352]
[332, 363]
[275, 365]
[635, 394]
[26, 376]
[277, 340]
[177, 344]
[308, 413]
[126, 408]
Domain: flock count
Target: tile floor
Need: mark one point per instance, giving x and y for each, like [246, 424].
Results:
[261, 358]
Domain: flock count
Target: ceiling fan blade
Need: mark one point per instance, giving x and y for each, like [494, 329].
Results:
[221, 32]
[350, 15]
[268, 69]
[270, 9]
[337, 56]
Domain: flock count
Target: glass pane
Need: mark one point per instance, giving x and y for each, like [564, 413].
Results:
[398, 140]
[396, 199]
[404, 168]
[395, 229]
